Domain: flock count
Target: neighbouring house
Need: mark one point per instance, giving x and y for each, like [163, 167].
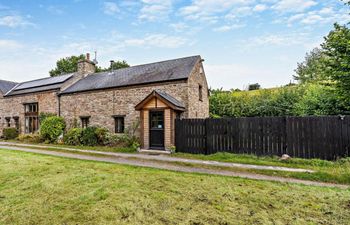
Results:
[145, 98]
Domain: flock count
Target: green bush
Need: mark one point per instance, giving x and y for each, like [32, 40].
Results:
[89, 137]
[44, 115]
[30, 138]
[116, 140]
[51, 128]
[101, 134]
[10, 133]
[73, 136]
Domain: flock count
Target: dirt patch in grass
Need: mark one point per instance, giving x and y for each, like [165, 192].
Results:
[35, 189]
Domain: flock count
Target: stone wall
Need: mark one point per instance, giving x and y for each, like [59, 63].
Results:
[198, 108]
[102, 105]
[14, 106]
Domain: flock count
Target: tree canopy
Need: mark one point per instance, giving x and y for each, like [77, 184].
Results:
[70, 65]
[66, 65]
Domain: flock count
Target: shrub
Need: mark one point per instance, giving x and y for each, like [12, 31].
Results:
[73, 136]
[30, 138]
[115, 140]
[89, 137]
[51, 128]
[44, 115]
[101, 134]
[10, 133]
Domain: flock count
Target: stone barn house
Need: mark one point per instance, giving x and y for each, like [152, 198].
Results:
[145, 98]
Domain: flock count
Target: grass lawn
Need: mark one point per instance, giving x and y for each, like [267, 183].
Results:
[37, 189]
[326, 171]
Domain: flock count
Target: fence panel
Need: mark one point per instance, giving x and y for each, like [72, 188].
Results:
[326, 137]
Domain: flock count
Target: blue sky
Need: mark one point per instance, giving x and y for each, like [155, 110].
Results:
[242, 41]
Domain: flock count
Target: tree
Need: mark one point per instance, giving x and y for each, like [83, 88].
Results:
[337, 63]
[66, 65]
[116, 65]
[70, 65]
[312, 69]
[252, 87]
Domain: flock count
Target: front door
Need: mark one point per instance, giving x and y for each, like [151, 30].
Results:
[156, 129]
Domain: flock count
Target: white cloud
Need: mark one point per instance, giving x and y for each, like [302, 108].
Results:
[14, 21]
[322, 16]
[110, 8]
[226, 28]
[239, 12]
[157, 40]
[179, 27]
[200, 9]
[153, 10]
[293, 5]
[9, 45]
[288, 39]
[260, 8]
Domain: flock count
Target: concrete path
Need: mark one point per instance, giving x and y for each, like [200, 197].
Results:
[172, 167]
[165, 158]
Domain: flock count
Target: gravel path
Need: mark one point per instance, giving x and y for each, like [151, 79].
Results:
[165, 158]
[172, 167]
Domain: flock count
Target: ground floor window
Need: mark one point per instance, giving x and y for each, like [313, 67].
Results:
[31, 119]
[119, 124]
[31, 124]
[16, 119]
[8, 121]
[85, 120]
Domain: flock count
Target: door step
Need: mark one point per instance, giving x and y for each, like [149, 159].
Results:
[154, 152]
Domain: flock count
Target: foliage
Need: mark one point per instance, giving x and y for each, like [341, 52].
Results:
[116, 65]
[70, 65]
[318, 100]
[30, 138]
[255, 86]
[44, 115]
[73, 136]
[274, 102]
[301, 100]
[89, 137]
[66, 65]
[116, 140]
[10, 133]
[337, 64]
[312, 69]
[101, 134]
[51, 128]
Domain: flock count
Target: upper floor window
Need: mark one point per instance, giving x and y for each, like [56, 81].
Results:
[200, 92]
[119, 124]
[85, 120]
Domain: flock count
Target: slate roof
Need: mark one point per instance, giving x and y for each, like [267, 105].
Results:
[5, 86]
[44, 84]
[170, 70]
[170, 99]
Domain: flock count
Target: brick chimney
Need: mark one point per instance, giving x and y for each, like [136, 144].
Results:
[86, 66]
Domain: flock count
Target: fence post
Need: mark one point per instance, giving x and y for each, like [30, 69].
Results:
[208, 147]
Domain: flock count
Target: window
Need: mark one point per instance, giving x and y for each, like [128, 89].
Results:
[8, 121]
[85, 120]
[200, 92]
[16, 119]
[31, 119]
[119, 124]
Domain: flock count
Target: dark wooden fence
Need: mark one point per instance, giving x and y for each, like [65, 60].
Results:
[326, 137]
